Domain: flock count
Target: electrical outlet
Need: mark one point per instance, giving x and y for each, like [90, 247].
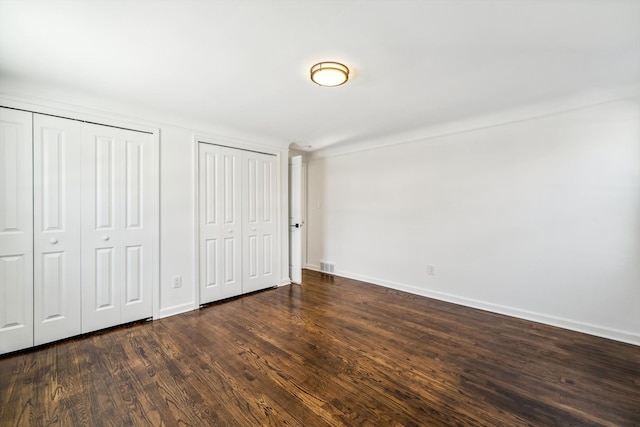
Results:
[431, 270]
[177, 282]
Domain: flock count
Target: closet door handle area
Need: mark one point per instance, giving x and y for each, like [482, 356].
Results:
[105, 238]
[230, 230]
[53, 241]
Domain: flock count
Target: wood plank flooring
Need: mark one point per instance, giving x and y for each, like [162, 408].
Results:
[329, 352]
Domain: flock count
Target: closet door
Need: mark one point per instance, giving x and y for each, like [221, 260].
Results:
[56, 160]
[117, 226]
[138, 226]
[16, 231]
[220, 222]
[259, 221]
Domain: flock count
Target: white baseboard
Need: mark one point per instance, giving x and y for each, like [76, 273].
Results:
[176, 309]
[284, 282]
[573, 325]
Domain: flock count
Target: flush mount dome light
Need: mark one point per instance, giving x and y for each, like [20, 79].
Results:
[329, 74]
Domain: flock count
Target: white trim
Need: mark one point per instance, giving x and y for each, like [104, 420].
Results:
[304, 207]
[105, 120]
[155, 293]
[129, 116]
[196, 223]
[282, 197]
[478, 122]
[236, 144]
[628, 337]
[283, 216]
[175, 309]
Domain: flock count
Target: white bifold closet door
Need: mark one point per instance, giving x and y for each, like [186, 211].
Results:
[117, 226]
[220, 222]
[56, 240]
[259, 221]
[237, 222]
[16, 230]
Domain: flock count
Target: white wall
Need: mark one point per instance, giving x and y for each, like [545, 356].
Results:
[539, 218]
[178, 202]
[177, 221]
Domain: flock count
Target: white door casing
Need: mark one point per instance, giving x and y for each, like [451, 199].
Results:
[117, 226]
[220, 228]
[16, 230]
[57, 288]
[259, 221]
[295, 219]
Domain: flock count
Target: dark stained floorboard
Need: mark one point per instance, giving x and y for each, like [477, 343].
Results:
[329, 352]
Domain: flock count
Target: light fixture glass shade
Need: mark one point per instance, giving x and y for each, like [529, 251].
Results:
[329, 74]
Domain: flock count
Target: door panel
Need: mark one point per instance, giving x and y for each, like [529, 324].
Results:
[100, 237]
[135, 209]
[135, 178]
[231, 187]
[252, 255]
[53, 280]
[267, 252]
[57, 289]
[230, 260]
[268, 225]
[220, 223]
[134, 283]
[251, 205]
[117, 232]
[210, 188]
[212, 264]
[16, 230]
[105, 289]
[102, 149]
[16, 331]
[268, 185]
[231, 232]
[259, 225]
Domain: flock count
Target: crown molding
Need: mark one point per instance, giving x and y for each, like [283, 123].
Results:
[92, 109]
[524, 113]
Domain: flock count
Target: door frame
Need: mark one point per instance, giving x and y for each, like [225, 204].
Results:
[299, 226]
[303, 202]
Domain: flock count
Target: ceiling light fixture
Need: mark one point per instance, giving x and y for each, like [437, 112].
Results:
[329, 74]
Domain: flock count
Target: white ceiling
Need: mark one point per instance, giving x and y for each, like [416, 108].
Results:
[245, 64]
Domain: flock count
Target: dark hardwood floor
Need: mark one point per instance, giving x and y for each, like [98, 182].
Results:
[332, 351]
